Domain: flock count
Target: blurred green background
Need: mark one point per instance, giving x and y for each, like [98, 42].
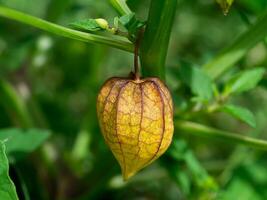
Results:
[59, 79]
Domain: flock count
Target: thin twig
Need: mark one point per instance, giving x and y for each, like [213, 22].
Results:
[136, 54]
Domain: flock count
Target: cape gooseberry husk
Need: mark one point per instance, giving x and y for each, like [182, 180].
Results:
[136, 119]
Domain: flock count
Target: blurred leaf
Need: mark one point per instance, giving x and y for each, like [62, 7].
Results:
[7, 187]
[248, 182]
[231, 55]
[240, 113]
[36, 8]
[14, 57]
[14, 104]
[181, 152]
[197, 80]
[254, 6]
[20, 142]
[244, 81]
[87, 25]
[130, 22]
[225, 5]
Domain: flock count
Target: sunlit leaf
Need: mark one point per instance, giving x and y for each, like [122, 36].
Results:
[244, 81]
[240, 113]
[20, 142]
[7, 187]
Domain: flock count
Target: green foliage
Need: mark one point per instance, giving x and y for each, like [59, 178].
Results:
[240, 113]
[7, 187]
[48, 84]
[20, 142]
[232, 54]
[244, 81]
[87, 25]
[131, 24]
[250, 178]
[199, 83]
[196, 176]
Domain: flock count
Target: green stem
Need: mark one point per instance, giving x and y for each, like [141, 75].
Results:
[156, 38]
[14, 105]
[122, 43]
[205, 131]
[238, 49]
[121, 7]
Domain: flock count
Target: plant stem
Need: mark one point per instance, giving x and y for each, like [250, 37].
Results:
[122, 43]
[156, 38]
[14, 105]
[136, 62]
[121, 7]
[136, 54]
[238, 49]
[205, 131]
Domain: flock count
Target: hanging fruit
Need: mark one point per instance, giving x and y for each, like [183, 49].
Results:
[136, 119]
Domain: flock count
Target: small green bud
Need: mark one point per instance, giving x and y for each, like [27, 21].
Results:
[102, 23]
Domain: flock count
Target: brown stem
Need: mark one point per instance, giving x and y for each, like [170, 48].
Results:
[136, 54]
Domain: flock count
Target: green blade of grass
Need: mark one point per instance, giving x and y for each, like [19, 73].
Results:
[231, 55]
[122, 43]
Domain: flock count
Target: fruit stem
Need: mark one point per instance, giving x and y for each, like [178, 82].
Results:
[136, 54]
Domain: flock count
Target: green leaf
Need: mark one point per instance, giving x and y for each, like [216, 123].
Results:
[231, 55]
[197, 80]
[125, 20]
[250, 178]
[244, 81]
[87, 25]
[240, 113]
[180, 152]
[130, 22]
[20, 142]
[225, 5]
[12, 59]
[7, 187]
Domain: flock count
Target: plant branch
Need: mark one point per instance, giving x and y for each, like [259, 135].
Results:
[136, 54]
[14, 105]
[231, 55]
[121, 7]
[208, 132]
[156, 37]
[122, 43]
